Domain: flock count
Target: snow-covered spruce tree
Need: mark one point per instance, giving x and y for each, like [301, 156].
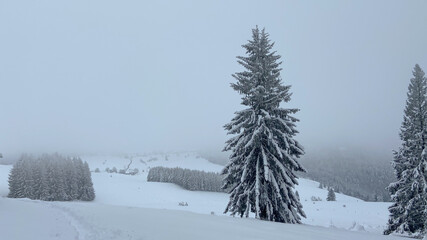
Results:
[87, 193]
[38, 179]
[55, 182]
[261, 172]
[28, 181]
[407, 214]
[331, 195]
[71, 179]
[16, 188]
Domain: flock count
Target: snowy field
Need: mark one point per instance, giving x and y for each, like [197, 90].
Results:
[129, 207]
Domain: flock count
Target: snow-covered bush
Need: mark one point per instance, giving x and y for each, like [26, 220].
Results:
[51, 178]
[133, 171]
[194, 180]
[123, 171]
[97, 170]
[315, 199]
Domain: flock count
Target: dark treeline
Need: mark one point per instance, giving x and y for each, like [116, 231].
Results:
[360, 173]
[193, 180]
[51, 178]
[351, 172]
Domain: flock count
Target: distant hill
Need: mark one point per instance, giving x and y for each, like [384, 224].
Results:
[360, 173]
[356, 172]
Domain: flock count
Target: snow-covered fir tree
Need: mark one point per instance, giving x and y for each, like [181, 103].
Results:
[331, 195]
[28, 180]
[264, 158]
[15, 181]
[71, 180]
[408, 212]
[38, 179]
[87, 191]
[55, 181]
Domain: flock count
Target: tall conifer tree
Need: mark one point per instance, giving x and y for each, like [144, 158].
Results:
[264, 158]
[407, 214]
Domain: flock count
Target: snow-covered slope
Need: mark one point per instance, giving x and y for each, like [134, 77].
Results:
[116, 189]
[25, 219]
[91, 221]
[124, 202]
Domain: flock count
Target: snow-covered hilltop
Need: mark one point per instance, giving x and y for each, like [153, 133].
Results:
[189, 160]
[129, 207]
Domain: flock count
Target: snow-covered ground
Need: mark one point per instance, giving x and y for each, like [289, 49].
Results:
[129, 207]
[347, 212]
[35, 220]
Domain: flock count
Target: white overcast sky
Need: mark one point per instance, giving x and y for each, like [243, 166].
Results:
[135, 76]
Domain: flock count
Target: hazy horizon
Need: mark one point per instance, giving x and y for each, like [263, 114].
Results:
[115, 77]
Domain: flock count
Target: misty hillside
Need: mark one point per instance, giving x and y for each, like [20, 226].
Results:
[361, 174]
[356, 172]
